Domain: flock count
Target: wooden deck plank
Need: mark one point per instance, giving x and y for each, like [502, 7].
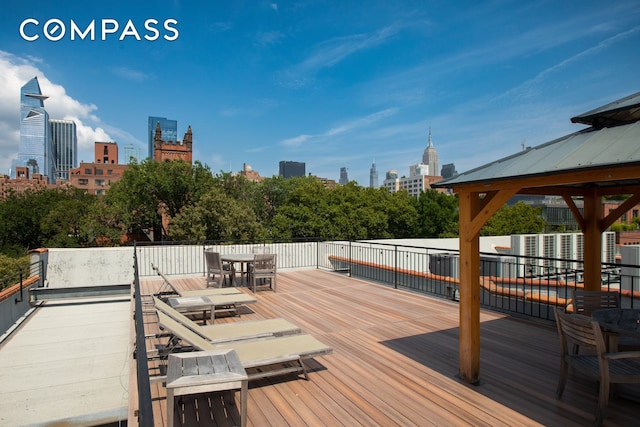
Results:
[395, 362]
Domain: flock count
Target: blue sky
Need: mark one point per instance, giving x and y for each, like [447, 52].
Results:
[329, 83]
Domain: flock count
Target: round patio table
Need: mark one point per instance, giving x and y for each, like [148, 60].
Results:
[620, 325]
[625, 321]
[240, 258]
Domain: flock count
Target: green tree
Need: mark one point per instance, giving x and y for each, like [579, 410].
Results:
[437, 214]
[517, 219]
[150, 191]
[216, 216]
[61, 226]
[305, 214]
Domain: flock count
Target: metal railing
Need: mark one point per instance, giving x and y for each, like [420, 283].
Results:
[528, 286]
[513, 283]
[145, 408]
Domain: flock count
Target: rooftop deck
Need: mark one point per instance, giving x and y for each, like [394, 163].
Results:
[395, 362]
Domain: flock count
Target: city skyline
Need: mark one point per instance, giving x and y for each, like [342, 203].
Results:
[266, 81]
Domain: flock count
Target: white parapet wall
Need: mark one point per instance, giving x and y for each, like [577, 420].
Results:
[89, 267]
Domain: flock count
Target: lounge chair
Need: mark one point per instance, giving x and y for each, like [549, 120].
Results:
[252, 329]
[261, 358]
[190, 293]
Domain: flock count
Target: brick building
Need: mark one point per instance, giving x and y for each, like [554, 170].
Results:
[166, 151]
[24, 181]
[97, 177]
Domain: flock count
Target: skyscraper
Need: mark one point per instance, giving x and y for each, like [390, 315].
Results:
[373, 175]
[430, 157]
[344, 178]
[290, 169]
[448, 170]
[169, 130]
[35, 150]
[65, 146]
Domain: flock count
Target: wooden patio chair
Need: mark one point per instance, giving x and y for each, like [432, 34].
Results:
[263, 268]
[261, 358]
[584, 302]
[606, 368]
[173, 290]
[237, 331]
[217, 270]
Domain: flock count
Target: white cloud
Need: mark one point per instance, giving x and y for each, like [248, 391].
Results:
[331, 52]
[352, 125]
[15, 71]
[129, 74]
[296, 141]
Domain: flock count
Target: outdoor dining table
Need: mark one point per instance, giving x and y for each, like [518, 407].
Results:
[244, 259]
[618, 322]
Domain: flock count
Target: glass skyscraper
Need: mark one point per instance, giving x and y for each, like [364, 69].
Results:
[169, 130]
[290, 169]
[35, 150]
[65, 146]
[373, 176]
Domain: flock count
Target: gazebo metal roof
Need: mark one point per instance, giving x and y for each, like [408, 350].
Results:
[597, 147]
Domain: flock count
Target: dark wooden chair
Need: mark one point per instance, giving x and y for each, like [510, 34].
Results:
[584, 302]
[606, 368]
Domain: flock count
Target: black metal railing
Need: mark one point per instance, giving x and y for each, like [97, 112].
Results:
[145, 409]
[524, 285]
[24, 278]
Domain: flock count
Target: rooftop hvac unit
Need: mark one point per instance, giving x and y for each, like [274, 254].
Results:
[445, 264]
[630, 276]
[498, 266]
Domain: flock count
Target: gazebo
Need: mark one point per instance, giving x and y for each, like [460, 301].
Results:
[601, 160]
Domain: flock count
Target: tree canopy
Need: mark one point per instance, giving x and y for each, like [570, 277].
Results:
[180, 201]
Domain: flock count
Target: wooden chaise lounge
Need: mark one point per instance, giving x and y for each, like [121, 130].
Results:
[261, 358]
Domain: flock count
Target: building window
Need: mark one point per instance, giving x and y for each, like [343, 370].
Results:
[106, 151]
[100, 182]
[109, 171]
[100, 192]
[87, 171]
[83, 181]
[98, 171]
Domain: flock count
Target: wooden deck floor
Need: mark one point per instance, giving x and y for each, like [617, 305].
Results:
[395, 362]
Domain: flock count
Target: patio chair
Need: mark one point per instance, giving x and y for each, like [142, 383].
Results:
[252, 329]
[606, 368]
[584, 302]
[261, 358]
[262, 269]
[189, 293]
[217, 270]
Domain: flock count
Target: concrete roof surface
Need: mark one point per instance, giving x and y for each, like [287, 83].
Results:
[68, 364]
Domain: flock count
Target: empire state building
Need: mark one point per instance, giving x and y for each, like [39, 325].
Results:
[430, 157]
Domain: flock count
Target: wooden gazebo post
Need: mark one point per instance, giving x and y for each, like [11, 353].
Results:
[592, 253]
[474, 213]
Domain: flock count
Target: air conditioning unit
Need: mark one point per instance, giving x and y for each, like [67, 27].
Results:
[445, 264]
[498, 266]
[630, 270]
